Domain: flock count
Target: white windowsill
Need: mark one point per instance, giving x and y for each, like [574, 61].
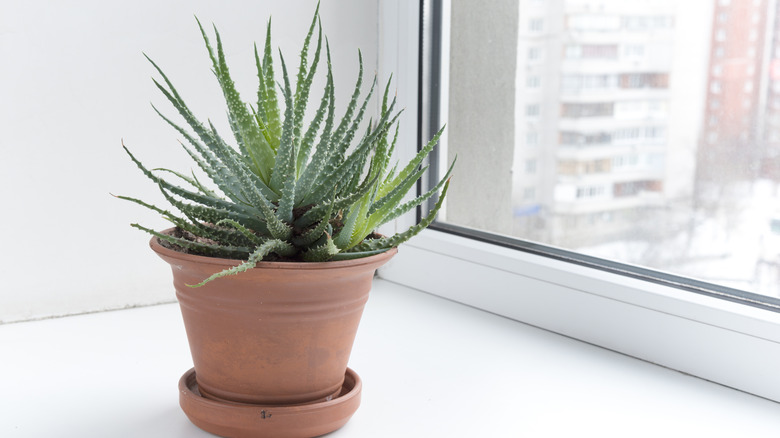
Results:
[430, 368]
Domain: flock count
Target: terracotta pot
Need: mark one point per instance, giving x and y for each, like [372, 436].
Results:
[278, 334]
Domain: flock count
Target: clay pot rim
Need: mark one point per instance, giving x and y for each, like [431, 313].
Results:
[158, 248]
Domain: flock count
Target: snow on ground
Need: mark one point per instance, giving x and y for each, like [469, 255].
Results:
[731, 245]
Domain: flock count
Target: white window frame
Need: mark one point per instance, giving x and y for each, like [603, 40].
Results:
[729, 343]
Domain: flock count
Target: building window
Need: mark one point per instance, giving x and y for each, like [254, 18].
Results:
[536, 25]
[530, 166]
[577, 83]
[625, 161]
[634, 188]
[532, 138]
[644, 80]
[646, 23]
[573, 51]
[590, 138]
[590, 192]
[715, 87]
[532, 110]
[579, 110]
[633, 51]
[591, 51]
[533, 82]
[534, 53]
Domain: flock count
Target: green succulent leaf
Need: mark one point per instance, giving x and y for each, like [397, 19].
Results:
[267, 102]
[357, 255]
[291, 185]
[408, 206]
[397, 239]
[321, 253]
[260, 152]
[254, 238]
[314, 234]
[208, 249]
[272, 246]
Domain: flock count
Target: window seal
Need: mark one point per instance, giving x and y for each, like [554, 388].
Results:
[663, 278]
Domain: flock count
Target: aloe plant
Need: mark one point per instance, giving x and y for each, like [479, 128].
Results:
[290, 190]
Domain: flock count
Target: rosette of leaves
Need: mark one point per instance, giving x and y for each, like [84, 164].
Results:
[290, 190]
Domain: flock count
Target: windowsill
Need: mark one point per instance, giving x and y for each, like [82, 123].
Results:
[430, 368]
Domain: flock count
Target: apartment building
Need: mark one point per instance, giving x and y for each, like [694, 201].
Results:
[739, 112]
[603, 138]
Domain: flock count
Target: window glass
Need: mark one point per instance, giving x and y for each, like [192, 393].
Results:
[654, 126]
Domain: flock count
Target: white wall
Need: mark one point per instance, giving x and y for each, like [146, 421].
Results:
[73, 83]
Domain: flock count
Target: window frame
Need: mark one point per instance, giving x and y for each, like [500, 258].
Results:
[701, 334]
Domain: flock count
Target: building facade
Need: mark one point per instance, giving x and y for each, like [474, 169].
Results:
[602, 140]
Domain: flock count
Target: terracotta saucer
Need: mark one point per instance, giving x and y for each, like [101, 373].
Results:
[240, 420]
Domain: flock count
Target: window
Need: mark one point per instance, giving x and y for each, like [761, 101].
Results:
[573, 51]
[644, 80]
[625, 161]
[591, 51]
[519, 277]
[624, 109]
[633, 51]
[536, 25]
[580, 110]
[530, 166]
[532, 138]
[568, 138]
[715, 87]
[579, 83]
[590, 191]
